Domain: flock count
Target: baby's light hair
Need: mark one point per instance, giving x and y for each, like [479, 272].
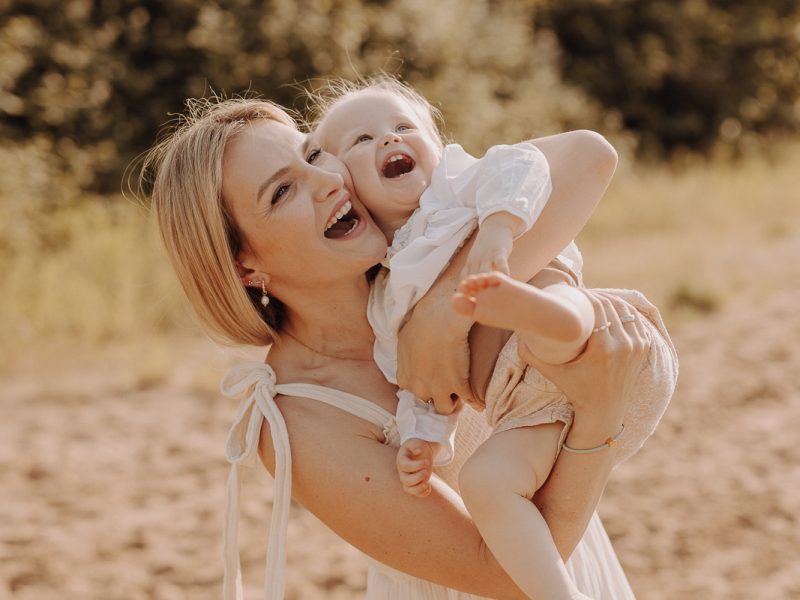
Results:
[334, 90]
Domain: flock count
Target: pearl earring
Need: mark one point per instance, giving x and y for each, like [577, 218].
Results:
[264, 297]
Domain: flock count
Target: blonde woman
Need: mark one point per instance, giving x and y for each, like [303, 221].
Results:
[273, 248]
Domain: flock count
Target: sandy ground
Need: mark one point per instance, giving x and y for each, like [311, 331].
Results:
[113, 479]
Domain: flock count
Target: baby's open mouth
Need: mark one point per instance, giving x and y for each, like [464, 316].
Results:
[397, 165]
[342, 223]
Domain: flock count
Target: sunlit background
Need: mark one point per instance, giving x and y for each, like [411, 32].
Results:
[112, 434]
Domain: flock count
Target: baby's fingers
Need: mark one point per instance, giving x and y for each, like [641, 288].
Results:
[420, 490]
[412, 465]
[415, 483]
[485, 266]
[500, 263]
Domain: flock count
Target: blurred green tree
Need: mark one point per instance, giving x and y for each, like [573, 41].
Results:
[86, 84]
[92, 81]
[685, 73]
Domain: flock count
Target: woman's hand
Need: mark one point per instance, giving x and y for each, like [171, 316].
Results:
[433, 357]
[598, 381]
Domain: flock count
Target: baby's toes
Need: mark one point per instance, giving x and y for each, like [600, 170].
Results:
[468, 286]
[498, 278]
[487, 280]
[463, 304]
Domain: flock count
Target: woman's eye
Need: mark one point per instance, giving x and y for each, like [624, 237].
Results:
[280, 192]
[313, 156]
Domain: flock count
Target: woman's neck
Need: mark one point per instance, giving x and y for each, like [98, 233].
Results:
[331, 322]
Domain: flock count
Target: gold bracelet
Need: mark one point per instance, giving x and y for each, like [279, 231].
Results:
[609, 443]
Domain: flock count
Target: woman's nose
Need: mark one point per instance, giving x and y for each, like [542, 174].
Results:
[390, 138]
[328, 183]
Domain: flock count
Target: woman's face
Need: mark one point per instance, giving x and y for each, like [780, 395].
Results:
[301, 225]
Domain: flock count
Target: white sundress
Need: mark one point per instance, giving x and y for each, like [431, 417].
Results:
[593, 566]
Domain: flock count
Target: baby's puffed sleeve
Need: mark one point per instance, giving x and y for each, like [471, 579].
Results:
[416, 419]
[514, 179]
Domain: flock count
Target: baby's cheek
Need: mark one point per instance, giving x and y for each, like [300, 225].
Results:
[359, 172]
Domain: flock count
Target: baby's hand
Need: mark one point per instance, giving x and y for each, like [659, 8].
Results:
[493, 244]
[415, 465]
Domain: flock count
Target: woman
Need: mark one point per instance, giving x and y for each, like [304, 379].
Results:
[242, 200]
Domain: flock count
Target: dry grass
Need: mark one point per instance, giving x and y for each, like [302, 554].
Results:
[93, 269]
[697, 239]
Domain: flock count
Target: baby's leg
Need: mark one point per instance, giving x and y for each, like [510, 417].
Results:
[553, 322]
[497, 484]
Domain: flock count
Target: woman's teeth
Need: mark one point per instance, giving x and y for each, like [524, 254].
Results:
[346, 208]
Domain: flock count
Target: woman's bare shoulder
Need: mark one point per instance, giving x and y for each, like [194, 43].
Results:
[307, 422]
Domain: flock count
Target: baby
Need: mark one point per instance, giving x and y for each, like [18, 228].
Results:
[428, 199]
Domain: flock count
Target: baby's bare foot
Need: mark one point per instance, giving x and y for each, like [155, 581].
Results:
[497, 300]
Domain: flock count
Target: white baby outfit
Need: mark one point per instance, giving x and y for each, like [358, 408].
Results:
[593, 565]
[464, 191]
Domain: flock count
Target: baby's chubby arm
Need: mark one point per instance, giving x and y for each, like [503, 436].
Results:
[512, 187]
[427, 440]
[493, 244]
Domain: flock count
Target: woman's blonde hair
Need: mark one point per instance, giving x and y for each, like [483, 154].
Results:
[333, 91]
[199, 235]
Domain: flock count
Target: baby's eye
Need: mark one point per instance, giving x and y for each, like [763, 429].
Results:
[280, 192]
[363, 138]
[313, 156]
[401, 128]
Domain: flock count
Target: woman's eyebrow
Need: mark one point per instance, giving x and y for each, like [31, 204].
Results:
[269, 181]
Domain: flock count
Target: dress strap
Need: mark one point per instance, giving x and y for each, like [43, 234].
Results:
[355, 405]
[242, 450]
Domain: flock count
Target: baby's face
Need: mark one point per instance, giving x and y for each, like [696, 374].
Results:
[390, 153]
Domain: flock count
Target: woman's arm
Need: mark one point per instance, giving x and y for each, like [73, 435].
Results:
[433, 351]
[346, 477]
[596, 384]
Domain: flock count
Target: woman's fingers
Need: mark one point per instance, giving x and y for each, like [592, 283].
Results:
[633, 327]
[601, 323]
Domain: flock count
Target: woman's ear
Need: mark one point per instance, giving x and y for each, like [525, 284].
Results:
[248, 269]
[250, 277]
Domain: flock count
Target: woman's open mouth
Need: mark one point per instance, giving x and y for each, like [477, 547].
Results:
[398, 165]
[342, 223]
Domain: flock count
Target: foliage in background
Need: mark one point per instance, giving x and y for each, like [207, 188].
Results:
[85, 86]
[685, 74]
[98, 79]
